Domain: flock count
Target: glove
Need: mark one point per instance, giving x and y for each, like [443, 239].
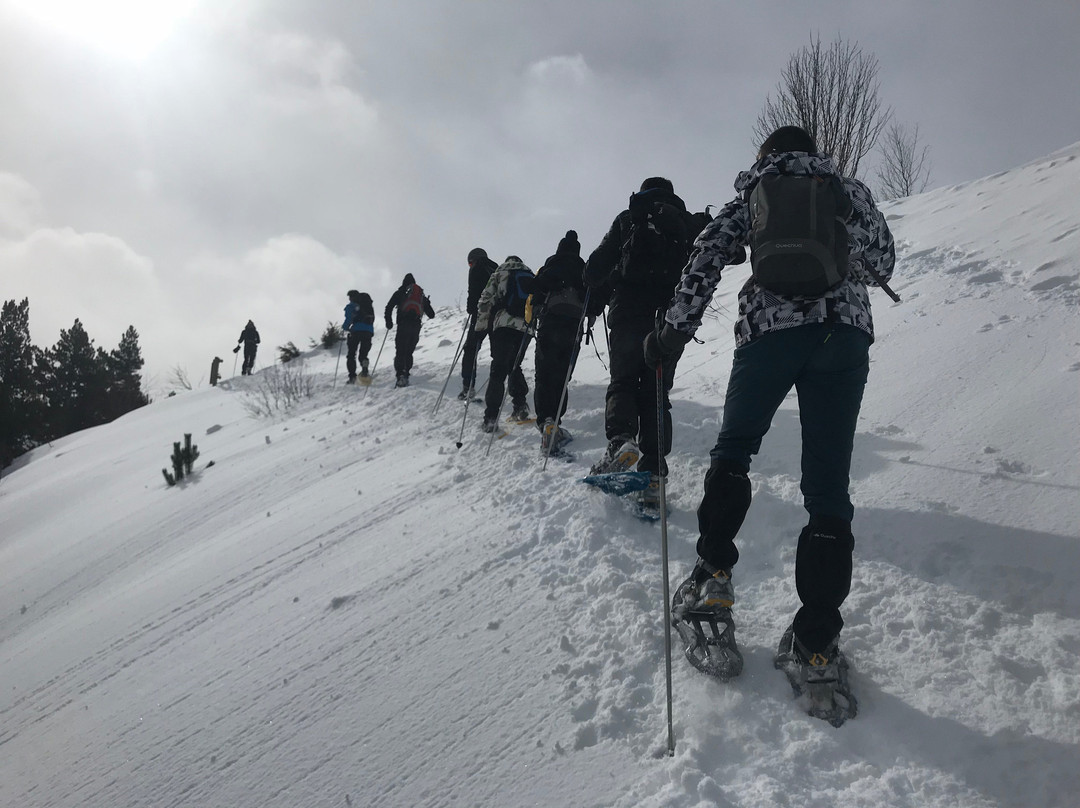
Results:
[528, 309]
[389, 323]
[236, 349]
[661, 345]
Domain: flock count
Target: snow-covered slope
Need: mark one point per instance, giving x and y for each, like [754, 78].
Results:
[345, 609]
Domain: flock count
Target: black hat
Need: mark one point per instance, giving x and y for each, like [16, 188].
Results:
[353, 294]
[569, 245]
[476, 253]
[408, 280]
[788, 139]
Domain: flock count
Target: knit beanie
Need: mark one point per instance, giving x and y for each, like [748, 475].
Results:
[569, 244]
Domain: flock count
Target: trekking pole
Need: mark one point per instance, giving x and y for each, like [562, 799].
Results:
[386, 333]
[341, 344]
[513, 369]
[453, 364]
[566, 383]
[660, 443]
[607, 339]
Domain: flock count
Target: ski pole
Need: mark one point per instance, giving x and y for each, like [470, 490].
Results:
[607, 339]
[513, 369]
[453, 364]
[566, 383]
[337, 364]
[661, 446]
[386, 333]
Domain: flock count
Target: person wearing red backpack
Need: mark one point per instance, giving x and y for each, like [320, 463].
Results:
[411, 304]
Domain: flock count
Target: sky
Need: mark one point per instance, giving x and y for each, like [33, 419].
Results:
[347, 610]
[186, 167]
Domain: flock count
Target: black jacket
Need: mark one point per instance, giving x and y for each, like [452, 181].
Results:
[628, 302]
[398, 298]
[479, 273]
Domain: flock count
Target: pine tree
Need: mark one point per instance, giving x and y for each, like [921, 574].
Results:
[76, 380]
[21, 408]
[125, 382]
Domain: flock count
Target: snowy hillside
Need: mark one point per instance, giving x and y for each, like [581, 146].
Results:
[347, 610]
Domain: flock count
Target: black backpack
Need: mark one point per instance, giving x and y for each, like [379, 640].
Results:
[798, 237]
[518, 286]
[659, 242]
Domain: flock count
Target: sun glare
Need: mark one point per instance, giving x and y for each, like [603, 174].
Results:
[126, 28]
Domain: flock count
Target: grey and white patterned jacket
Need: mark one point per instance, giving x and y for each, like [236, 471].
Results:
[760, 311]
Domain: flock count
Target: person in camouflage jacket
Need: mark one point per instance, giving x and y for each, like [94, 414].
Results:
[817, 344]
[508, 335]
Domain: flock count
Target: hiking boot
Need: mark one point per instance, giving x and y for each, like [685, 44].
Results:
[621, 455]
[364, 371]
[489, 424]
[706, 590]
[520, 412]
[351, 380]
[701, 613]
[402, 380]
[465, 394]
[820, 677]
[554, 436]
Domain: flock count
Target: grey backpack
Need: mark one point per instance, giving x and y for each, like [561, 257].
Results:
[798, 236]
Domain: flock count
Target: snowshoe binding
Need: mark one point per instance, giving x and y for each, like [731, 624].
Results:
[819, 680]
[701, 613]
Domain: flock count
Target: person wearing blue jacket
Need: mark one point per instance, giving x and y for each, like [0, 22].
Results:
[359, 327]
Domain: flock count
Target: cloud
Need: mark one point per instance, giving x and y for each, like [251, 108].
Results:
[20, 205]
[91, 276]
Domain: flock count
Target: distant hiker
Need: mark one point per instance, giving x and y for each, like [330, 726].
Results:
[640, 259]
[557, 300]
[480, 269]
[501, 313]
[215, 370]
[359, 326]
[249, 338]
[811, 229]
[411, 304]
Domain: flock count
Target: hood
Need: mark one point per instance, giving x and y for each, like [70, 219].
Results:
[512, 263]
[817, 164]
[656, 195]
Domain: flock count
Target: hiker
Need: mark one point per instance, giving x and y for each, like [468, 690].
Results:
[411, 304]
[557, 300]
[215, 371]
[359, 327]
[249, 338]
[500, 312]
[640, 259]
[480, 269]
[816, 340]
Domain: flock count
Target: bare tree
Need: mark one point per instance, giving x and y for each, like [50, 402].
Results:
[178, 378]
[905, 165]
[832, 93]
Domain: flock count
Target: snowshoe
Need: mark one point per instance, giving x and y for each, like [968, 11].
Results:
[819, 680]
[701, 613]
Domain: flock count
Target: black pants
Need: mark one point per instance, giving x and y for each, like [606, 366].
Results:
[408, 334]
[250, 348]
[473, 340]
[361, 340]
[631, 394]
[556, 348]
[505, 344]
[828, 366]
